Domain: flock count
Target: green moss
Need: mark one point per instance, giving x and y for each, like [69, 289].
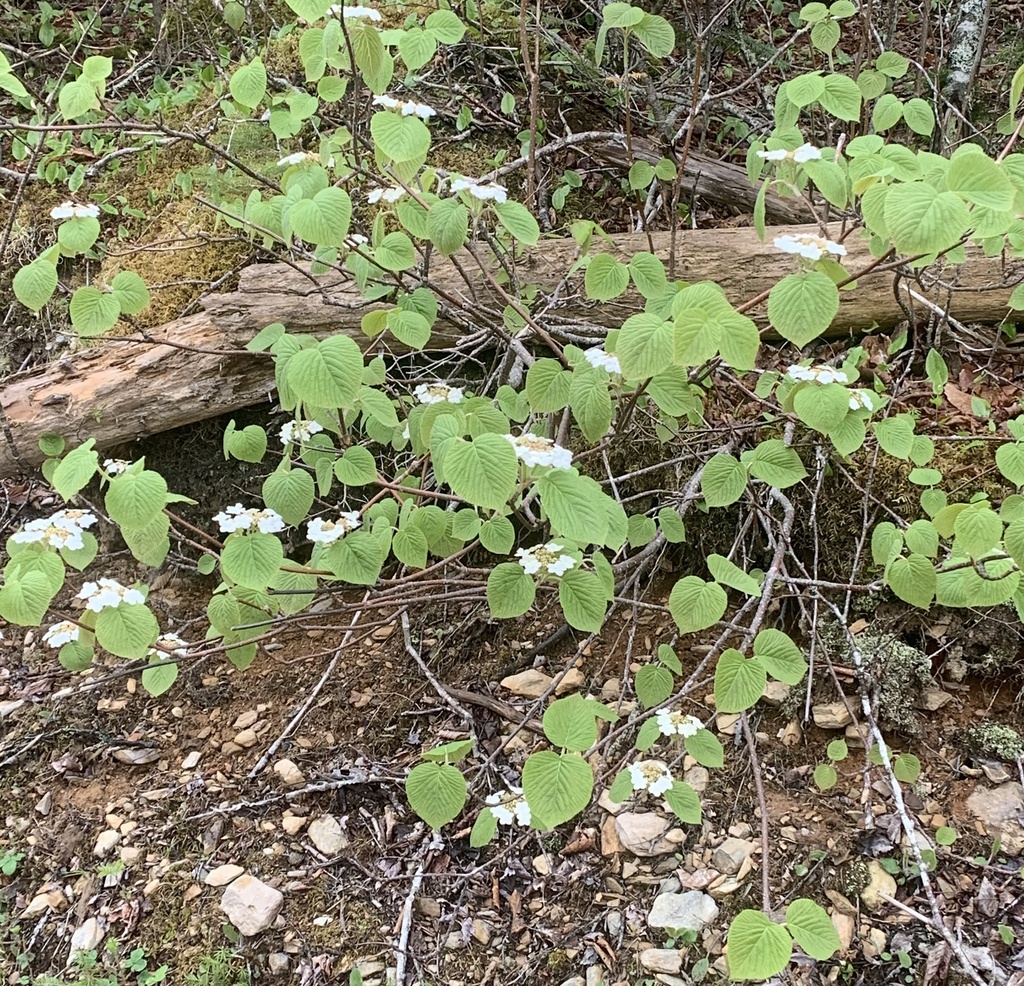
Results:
[993, 739]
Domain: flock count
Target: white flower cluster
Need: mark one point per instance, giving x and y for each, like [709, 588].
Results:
[170, 642]
[354, 240]
[650, 775]
[299, 431]
[549, 559]
[860, 399]
[537, 451]
[817, 374]
[405, 107]
[114, 467]
[300, 156]
[71, 210]
[510, 807]
[438, 393]
[489, 191]
[805, 152]
[329, 531]
[61, 633]
[353, 13]
[678, 724]
[108, 593]
[597, 357]
[809, 246]
[387, 194]
[237, 518]
[62, 530]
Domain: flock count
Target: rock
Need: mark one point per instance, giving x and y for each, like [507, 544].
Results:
[873, 944]
[661, 959]
[528, 684]
[45, 804]
[731, 854]
[191, 761]
[429, 907]
[999, 809]
[245, 739]
[775, 693]
[105, 842]
[728, 885]
[879, 882]
[833, 715]
[647, 834]
[741, 830]
[6, 708]
[692, 911]
[278, 963]
[293, 824]
[481, 931]
[86, 937]
[613, 923]
[327, 835]
[605, 801]
[572, 681]
[697, 777]
[221, 876]
[595, 975]
[611, 690]
[246, 719]
[251, 905]
[725, 722]
[845, 925]
[996, 772]
[575, 981]
[790, 734]
[289, 773]
[932, 699]
[610, 841]
[542, 865]
[53, 900]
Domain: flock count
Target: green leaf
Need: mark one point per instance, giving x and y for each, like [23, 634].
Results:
[249, 84]
[323, 219]
[484, 828]
[93, 311]
[247, 445]
[920, 116]
[510, 591]
[417, 47]
[641, 530]
[822, 407]
[75, 470]
[921, 219]
[653, 684]
[907, 768]
[355, 559]
[134, 499]
[24, 601]
[781, 657]
[837, 750]
[978, 530]
[896, 435]
[328, 374]
[395, 253]
[622, 15]
[728, 573]
[127, 630]
[640, 175]
[644, 346]
[606, 278]
[572, 506]
[683, 801]
[892, 64]
[518, 221]
[805, 89]
[706, 748]
[812, 928]
[410, 547]
[591, 402]
[290, 493]
[980, 180]
[802, 306]
[357, 467]
[498, 535]
[723, 480]
[34, 284]
[656, 34]
[557, 787]
[310, 10]
[888, 111]
[696, 604]
[841, 97]
[290, 602]
[130, 292]
[251, 560]
[149, 545]
[81, 558]
[671, 525]
[78, 234]
[647, 737]
[739, 681]
[946, 836]
[1010, 460]
[436, 792]
[776, 464]
[35, 559]
[448, 225]
[547, 385]
[159, 677]
[757, 948]
[570, 723]
[922, 538]
[483, 471]
[368, 49]
[825, 35]
[913, 579]
[76, 99]
[445, 26]
[401, 138]
[583, 600]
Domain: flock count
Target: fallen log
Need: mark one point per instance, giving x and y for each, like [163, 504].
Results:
[195, 368]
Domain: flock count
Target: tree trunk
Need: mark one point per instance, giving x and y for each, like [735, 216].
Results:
[195, 367]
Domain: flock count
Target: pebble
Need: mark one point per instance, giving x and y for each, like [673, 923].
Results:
[191, 761]
[729, 857]
[572, 681]
[845, 925]
[932, 699]
[289, 773]
[246, 719]
[611, 690]
[528, 684]
[698, 778]
[105, 843]
[245, 739]
[999, 809]
[293, 824]
[647, 834]
[833, 715]
[45, 804]
[327, 835]
[278, 963]
[86, 937]
[667, 960]
[221, 876]
[692, 911]
[775, 693]
[879, 882]
[251, 905]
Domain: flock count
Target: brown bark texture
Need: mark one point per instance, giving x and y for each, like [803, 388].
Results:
[195, 368]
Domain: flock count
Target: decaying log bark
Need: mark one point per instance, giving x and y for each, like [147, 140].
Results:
[196, 368]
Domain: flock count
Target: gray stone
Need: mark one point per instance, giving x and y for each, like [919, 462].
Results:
[327, 835]
[691, 911]
[932, 699]
[698, 778]
[834, 715]
[221, 876]
[105, 842]
[647, 834]
[731, 854]
[667, 960]
[999, 809]
[251, 905]
[278, 963]
[880, 885]
[775, 693]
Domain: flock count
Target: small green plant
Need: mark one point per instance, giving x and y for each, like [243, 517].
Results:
[9, 861]
[825, 775]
